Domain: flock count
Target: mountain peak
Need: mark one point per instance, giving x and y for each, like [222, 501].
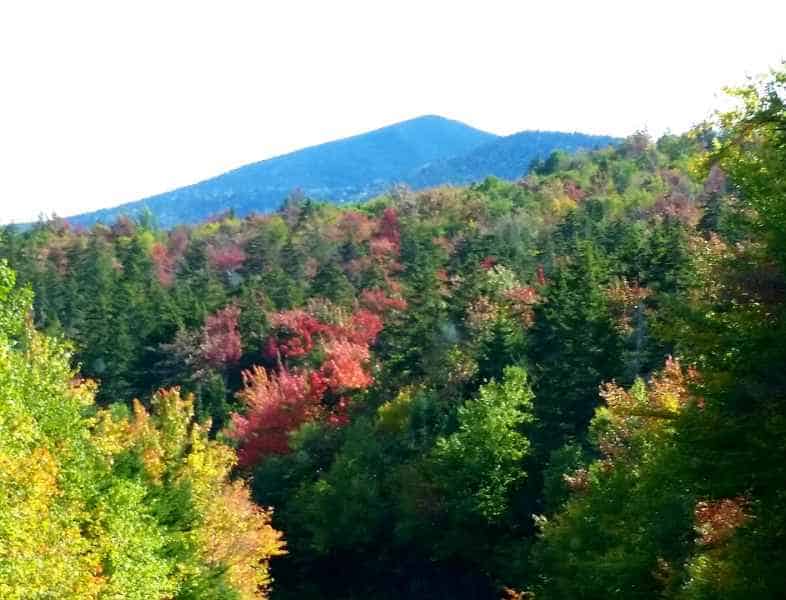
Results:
[422, 151]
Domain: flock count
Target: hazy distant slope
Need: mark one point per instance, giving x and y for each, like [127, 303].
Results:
[351, 168]
[505, 157]
[422, 152]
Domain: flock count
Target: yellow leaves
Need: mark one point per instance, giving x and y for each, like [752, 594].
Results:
[625, 300]
[174, 415]
[644, 410]
[144, 438]
[555, 197]
[159, 440]
[80, 519]
[562, 204]
[84, 390]
[42, 552]
[111, 436]
[207, 465]
[29, 485]
[230, 532]
[698, 166]
[665, 395]
[393, 416]
[669, 389]
[236, 534]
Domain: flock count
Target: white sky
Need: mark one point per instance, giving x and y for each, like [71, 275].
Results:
[105, 102]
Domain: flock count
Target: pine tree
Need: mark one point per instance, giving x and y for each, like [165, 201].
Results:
[574, 346]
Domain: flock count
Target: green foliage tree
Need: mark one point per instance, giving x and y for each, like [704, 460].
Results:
[574, 346]
[104, 506]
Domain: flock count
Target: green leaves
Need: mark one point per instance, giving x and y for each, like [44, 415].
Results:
[476, 467]
[15, 304]
[108, 506]
[752, 152]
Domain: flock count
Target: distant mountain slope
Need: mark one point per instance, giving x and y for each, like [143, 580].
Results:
[421, 152]
[351, 168]
[505, 157]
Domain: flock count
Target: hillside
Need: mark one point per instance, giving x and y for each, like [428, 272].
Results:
[421, 152]
[570, 386]
[506, 157]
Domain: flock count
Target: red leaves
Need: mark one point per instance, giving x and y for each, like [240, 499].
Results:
[522, 302]
[276, 405]
[167, 256]
[280, 401]
[355, 227]
[389, 228]
[296, 331]
[716, 181]
[574, 192]
[294, 334]
[321, 354]
[364, 327]
[540, 275]
[577, 481]
[624, 300]
[644, 411]
[221, 343]
[379, 302]
[716, 521]
[343, 369]
[226, 257]
[164, 264]
[488, 263]
[384, 246]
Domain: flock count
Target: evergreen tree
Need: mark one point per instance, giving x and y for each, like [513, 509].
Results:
[574, 346]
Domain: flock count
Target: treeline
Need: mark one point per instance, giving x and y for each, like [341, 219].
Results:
[571, 386]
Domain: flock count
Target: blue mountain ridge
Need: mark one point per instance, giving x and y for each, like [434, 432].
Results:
[423, 152]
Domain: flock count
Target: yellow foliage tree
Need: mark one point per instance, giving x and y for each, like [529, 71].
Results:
[113, 505]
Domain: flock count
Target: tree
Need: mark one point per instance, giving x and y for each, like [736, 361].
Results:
[476, 467]
[110, 506]
[574, 346]
[626, 528]
[751, 152]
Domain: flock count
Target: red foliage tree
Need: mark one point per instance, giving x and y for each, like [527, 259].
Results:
[279, 402]
[488, 263]
[226, 257]
[164, 264]
[389, 228]
[363, 328]
[522, 302]
[717, 520]
[221, 343]
[540, 275]
[377, 301]
[355, 227]
[276, 405]
[294, 332]
[343, 369]
[178, 242]
[574, 192]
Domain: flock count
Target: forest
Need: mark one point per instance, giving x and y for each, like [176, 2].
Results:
[570, 386]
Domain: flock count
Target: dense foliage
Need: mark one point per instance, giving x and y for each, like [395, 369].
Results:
[570, 386]
[111, 504]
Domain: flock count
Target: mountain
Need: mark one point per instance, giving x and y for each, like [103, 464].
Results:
[505, 157]
[421, 152]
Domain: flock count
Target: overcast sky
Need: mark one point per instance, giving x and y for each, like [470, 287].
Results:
[106, 102]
